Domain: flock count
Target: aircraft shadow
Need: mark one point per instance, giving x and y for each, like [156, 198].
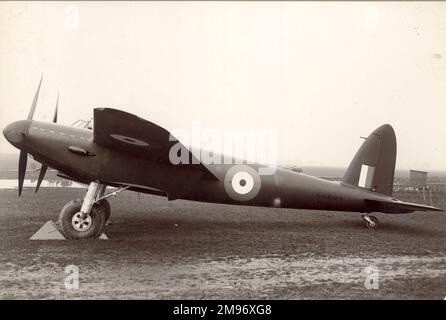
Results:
[314, 224]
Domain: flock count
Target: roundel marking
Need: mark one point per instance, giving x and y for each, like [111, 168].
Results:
[129, 140]
[242, 183]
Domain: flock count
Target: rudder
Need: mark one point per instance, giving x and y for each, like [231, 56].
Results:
[373, 166]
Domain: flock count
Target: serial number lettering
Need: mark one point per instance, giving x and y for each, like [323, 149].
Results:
[245, 309]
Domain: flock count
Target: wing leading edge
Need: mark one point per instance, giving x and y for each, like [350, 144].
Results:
[124, 132]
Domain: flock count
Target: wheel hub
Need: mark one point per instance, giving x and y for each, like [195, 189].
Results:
[79, 223]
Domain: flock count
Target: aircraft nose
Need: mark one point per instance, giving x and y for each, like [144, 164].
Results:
[16, 132]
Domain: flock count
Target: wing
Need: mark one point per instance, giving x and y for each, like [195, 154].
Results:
[397, 206]
[124, 132]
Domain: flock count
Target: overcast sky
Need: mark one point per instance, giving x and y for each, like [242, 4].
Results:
[323, 74]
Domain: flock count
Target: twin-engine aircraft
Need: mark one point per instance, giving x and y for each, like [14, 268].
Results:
[128, 153]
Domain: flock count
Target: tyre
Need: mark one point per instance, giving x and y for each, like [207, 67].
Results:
[107, 209]
[72, 226]
[373, 223]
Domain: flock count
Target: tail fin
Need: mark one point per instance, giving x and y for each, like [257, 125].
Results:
[373, 166]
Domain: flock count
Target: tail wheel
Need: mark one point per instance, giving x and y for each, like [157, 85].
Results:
[72, 224]
[372, 222]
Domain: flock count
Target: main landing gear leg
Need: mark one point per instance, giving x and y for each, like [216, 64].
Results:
[86, 218]
[371, 222]
[83, 218]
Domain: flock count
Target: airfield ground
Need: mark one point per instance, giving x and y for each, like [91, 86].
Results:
[166, 250]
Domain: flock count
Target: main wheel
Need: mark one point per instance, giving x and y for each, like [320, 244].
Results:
[107, 209]
[372, 223]
[73, 226]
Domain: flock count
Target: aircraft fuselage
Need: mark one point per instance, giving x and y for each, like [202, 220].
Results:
[72, 152]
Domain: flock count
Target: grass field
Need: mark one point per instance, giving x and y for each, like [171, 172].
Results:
[179, 249]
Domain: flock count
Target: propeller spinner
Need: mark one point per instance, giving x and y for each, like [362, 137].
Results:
[16, 133]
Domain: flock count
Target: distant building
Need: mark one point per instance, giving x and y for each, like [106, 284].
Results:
[418, 178]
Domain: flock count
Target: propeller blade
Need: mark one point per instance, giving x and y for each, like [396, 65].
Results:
[23, 159]
[41, 175]
[36, 97]
[55, 111]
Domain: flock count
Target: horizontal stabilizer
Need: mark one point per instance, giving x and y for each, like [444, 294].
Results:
[397, 206]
